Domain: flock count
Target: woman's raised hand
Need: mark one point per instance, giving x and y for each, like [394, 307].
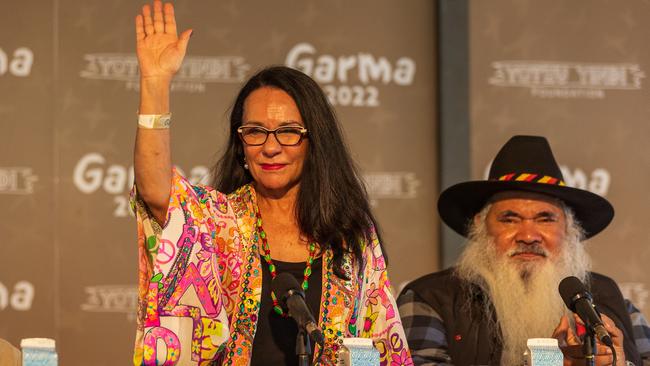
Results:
[160, 54]
[159, 48]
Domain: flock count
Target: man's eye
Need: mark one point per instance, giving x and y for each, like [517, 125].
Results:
[547, 219]
[507, 220]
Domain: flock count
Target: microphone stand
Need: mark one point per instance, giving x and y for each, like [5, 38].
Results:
[589, 347]
[303, 348]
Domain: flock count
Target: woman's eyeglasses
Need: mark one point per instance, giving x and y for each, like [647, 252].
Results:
[286, 136]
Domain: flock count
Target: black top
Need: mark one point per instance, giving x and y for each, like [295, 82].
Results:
[275, 338]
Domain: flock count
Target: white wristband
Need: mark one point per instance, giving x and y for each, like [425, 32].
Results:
[151, 121]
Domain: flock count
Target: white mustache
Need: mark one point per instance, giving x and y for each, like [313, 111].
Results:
[528, 249]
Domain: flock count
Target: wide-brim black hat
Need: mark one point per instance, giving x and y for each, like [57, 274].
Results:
[524, 163]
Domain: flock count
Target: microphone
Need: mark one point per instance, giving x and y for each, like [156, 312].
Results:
[579, 300]
[292, 298]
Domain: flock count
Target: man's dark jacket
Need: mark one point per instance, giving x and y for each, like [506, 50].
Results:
[469, 337]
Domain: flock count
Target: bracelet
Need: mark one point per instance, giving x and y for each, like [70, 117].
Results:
[157, 121]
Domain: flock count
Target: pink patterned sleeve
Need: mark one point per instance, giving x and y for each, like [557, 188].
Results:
[180, 295]
[378, 312]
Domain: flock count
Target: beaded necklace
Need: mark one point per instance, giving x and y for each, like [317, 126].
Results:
[267, 258]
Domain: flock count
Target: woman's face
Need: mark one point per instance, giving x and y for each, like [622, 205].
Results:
[275, 168]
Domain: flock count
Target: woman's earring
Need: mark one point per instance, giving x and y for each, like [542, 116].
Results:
[245, 164]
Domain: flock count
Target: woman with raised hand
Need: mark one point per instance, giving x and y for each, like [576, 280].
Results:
[285, 197]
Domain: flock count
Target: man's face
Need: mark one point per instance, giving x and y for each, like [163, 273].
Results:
[526, 227]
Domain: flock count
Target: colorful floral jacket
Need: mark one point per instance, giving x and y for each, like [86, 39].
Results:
[200, 282]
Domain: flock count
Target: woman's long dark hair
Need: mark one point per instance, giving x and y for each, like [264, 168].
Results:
[332, 205]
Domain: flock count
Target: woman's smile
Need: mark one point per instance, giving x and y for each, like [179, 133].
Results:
[274, 166]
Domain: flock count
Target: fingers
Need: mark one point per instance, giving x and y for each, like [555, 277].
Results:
[604, 356]
[577, 319]
[614, 331]
[184, 39]
[158, 24]
[574, 355]
[602, 350]
[139, 28]
[170, 19]
[561, 329]
[148, 22]
[571, 338]
[564, 333]
[568, 334]
[603, 353]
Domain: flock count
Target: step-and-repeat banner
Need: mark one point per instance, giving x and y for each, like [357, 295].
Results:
[68, 104]
[575, 72]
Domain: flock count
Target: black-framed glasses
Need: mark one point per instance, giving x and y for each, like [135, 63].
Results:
[286, 135]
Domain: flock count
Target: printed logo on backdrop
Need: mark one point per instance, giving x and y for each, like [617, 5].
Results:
[17, 180]
[94, 174]
[351, 80]
[597, 181]
[194, 74]
[111, 299]
[18, 297]
[637, 293]
[17, 63]
[391, 185]
[567, 80]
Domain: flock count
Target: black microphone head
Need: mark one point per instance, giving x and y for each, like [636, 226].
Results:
[571, 287]
[285, 285]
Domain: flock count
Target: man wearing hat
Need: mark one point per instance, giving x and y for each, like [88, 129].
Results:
[525, 229]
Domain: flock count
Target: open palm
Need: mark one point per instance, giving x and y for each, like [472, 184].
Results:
[159, 48]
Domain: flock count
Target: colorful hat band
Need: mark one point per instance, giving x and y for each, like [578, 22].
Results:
[534, 178]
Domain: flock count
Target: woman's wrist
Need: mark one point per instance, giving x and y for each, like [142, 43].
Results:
[156, 80]
[154, 95]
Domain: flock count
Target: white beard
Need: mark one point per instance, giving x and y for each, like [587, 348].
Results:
[524, 295]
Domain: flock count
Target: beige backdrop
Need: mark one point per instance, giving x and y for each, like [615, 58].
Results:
[68, 101]
[574, 72]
